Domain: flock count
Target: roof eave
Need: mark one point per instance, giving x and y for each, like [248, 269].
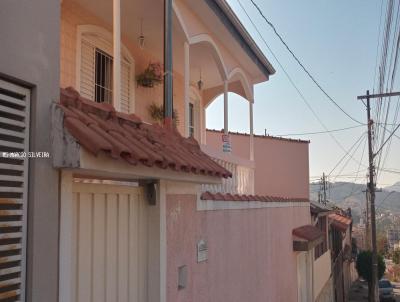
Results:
[227, 16]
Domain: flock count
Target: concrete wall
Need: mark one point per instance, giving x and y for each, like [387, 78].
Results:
[29, 53]
[250, 252]
[282, 166]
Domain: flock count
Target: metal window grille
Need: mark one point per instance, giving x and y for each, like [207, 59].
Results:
[96, 73]
[14, 146]
[103, 78]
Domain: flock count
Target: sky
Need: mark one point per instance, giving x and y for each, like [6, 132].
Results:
[337, 42]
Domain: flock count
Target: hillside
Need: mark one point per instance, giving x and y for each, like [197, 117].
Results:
[395, 187]
[346, 194]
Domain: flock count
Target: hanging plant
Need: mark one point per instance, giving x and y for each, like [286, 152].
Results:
[156, 113]
[151, 76]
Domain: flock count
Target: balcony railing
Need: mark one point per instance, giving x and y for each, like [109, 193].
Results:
[242, 181]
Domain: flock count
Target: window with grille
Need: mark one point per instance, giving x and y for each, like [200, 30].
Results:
[96, 71]
[191, 120]
[103, 78]
[14, 146]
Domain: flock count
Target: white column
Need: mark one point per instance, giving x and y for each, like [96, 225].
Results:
[251, 130]
[226, 130]
[203, 122]
[117, 54]
[186, 84]
[67, 239]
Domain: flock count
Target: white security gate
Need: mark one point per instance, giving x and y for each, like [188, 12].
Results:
[14, 147]
[110, 231]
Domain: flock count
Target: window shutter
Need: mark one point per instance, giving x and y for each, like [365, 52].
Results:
[14, 137]
[125, 86]
[87, 70]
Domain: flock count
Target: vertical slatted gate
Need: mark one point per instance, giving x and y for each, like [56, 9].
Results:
[14, 137]
[110, 243]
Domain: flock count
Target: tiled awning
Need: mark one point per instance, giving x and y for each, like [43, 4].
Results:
[306, 237]
[339, 221]
[97, 127]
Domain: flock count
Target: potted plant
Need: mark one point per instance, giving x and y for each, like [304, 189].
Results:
[151, 76]
[156, 113]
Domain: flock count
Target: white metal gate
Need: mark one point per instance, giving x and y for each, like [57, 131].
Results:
[14, 147]
[110, 226]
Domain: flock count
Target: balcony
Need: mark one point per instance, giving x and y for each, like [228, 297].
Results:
[242, 181]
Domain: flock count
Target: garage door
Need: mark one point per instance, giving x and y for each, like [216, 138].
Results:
[110, 226]
[14, 146]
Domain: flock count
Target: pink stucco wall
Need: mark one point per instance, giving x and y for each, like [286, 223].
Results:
[281, 166]
[250, 254]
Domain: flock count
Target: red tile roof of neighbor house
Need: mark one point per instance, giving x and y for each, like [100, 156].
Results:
[339, 221]
[97, 127]
[237, 197]
[308, 232]
[280, 138]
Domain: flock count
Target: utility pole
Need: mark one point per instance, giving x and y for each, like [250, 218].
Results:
[367, 217]
[371, 188]
[324, 186]
[371, 192]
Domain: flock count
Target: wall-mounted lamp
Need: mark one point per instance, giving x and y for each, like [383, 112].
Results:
[200, 83]
[141, 37]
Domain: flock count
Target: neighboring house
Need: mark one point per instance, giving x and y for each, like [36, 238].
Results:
[358, 235]
[322, 265]
[124, 209]
[343, 264]
[393, 237]
[281, 169]
[333, 266]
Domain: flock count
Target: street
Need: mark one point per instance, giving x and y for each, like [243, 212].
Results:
[359, 291]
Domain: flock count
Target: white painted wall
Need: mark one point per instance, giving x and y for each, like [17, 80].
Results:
[322, 272]
[304, 276]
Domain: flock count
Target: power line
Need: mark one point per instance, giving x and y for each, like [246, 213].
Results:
[379, 150]
[346, 154]
[293, 84]
[302, 66]
[358, 170]
[348, 160]
[319, 132]
[386, 197]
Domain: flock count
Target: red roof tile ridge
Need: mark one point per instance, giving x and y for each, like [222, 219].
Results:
[243, 197]
[307, 232]
[294, 140]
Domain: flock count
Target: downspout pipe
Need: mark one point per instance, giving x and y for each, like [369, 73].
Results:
[168, 79]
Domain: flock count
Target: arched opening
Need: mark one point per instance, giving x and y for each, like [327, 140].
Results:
[238, 111]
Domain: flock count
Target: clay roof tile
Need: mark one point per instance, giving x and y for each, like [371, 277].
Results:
[98, 127]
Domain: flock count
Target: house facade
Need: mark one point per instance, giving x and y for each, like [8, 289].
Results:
[334, 265]
[102, 202]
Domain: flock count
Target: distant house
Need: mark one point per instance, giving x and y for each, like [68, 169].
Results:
[393, 237]
[100, 201]
[332, 283]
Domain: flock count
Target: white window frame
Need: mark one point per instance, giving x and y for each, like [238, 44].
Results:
[195, 100]
[95, 33]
